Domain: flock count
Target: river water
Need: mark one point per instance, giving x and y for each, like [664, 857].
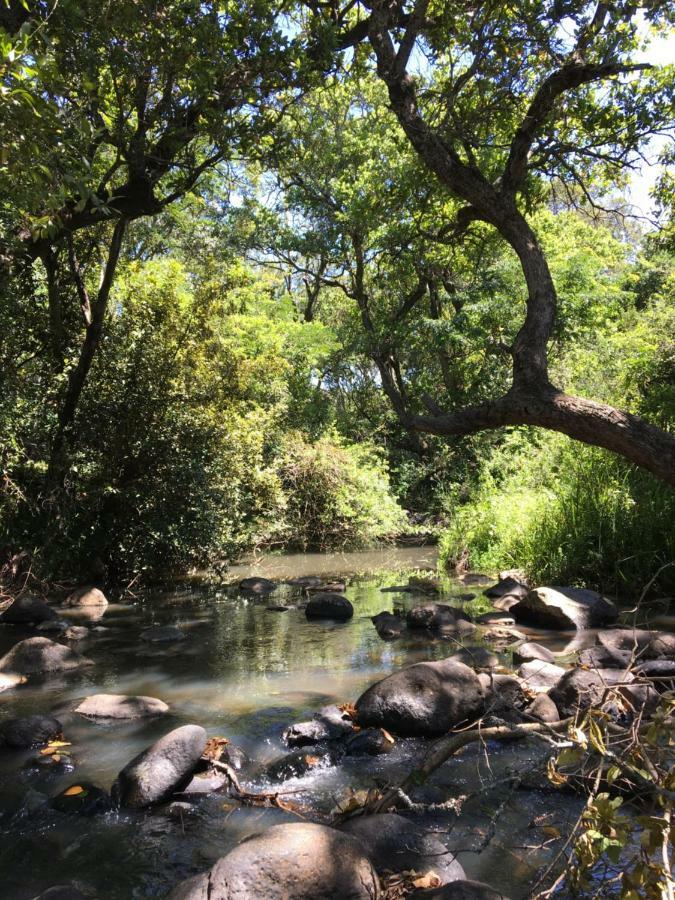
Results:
[245, 672]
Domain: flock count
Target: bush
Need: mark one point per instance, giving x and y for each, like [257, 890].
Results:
[338, 496]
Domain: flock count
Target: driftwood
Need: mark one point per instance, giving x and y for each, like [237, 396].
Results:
[258, 798]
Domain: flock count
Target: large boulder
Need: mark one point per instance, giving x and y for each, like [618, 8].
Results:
[88, 596]
[28, 731]
[120, 706]
[540, 675]
[164, 767]
[506, 587]
[38, 655]
[27, 611]
[395, 844]
[579, 689]
[424, 699]
[646, 644]
[440, 617]
[564, 608]
[300, 861]
[329, 605]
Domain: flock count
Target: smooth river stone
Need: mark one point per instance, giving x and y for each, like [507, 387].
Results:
[120, 706]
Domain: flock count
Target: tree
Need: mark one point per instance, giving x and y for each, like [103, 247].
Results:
[498, 103]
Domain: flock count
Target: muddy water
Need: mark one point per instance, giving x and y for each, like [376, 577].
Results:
[244, 672]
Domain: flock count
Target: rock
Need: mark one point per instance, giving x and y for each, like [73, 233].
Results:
[564, 608]
[164, 767]
[504, 696]
[506, 603]
[476, 658]
[62, 892]
[27, 611]
[120, 706]
[305, 581]
[388, 625]
[544, 709]
[519, 575]
[278, 608]
[498, 617]
[530, 651]
[299, 763]
[82, 798]
[235, 757]
[506, 587]
[505, 636]
[656, 668]
[440, 617]
[181, 809]
[540, 675]
[77, 633]
[329, 605]
[461, 890]
[425, 699]
[53, 626]
[369, 742]
[300, 861]
[162, 634]
[600, 657]
[207, 782]
[335, 587]
[38, 655]
[28, 731]
[393, 843]
[646, 644]
[87, 596]
[578, 689]
[329, 724]
[642, 699]
[257, 586]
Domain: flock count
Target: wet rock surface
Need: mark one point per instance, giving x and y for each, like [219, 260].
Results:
[88, 597]
[329, 605]
[27, 611]
[120, 706]
[38, 656]
[288, 862]
[28, 731]
[163, 634]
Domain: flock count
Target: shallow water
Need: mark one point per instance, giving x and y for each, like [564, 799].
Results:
[244, 672]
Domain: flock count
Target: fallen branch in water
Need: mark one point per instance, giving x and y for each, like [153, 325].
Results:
[446, 747]
[259, 798]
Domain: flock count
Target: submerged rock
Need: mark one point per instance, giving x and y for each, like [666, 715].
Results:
[77, 633]
[120, 706]
[300, 861]
[498, 617]
[306, 581]
[564, 608]
[329, 724]
[81, 799]
[369, 742]
[164, 767]
[28, 731]
[440, 617]
[257, 585]
[27, 611]
[39, 655]
[329, 605]
[395, 844]
[425, 699]
[388, 625]
[299, 763]
[88, 596]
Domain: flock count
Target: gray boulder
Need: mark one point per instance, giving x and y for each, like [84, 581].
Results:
[544, 709]
[120, 706]
[329, 605]
[425, 699]
[28, 731]
[164, 767]
[87, 596]
[497, 617]
[27, 611]
[600, 657]
[506, 603]
[530, 651]
[38, 655]
[646, 644]
[300, 861]
[540, 675]
[329, 724]
[394, 843]
[163, 634]
[564, 608]
[579, 689]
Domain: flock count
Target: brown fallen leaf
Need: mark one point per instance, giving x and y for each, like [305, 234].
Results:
[430, 880]
[214, 747]
[74, 791]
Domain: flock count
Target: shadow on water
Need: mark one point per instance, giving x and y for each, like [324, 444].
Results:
[244, 672]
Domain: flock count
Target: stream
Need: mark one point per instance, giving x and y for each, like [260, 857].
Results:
[246, 672]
